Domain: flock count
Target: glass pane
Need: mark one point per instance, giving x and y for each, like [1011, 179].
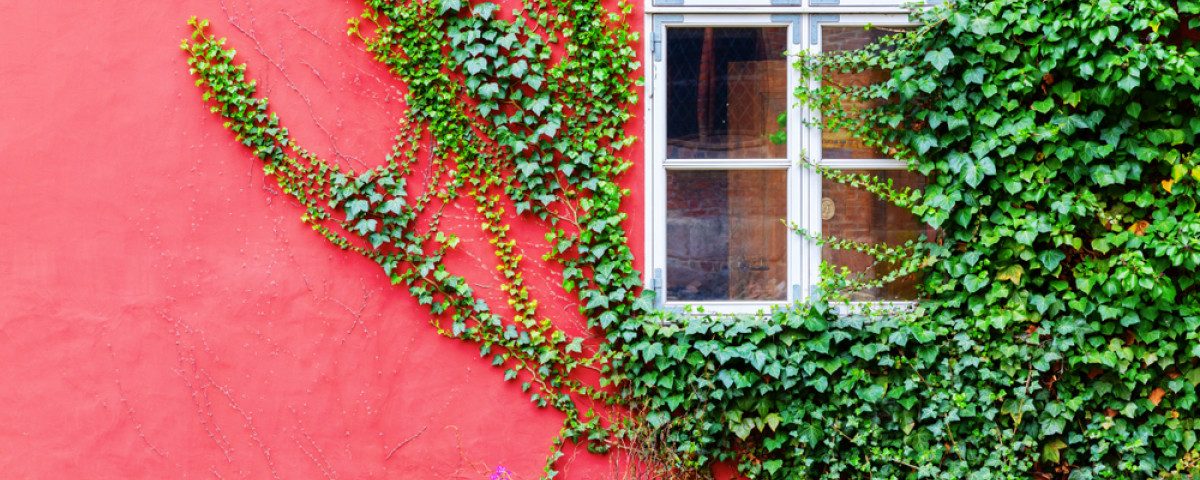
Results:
[840, 144]
[725, 237]
[726, 92]
[856, 214]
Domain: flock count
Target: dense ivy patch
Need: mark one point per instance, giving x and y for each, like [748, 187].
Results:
[1062, 332]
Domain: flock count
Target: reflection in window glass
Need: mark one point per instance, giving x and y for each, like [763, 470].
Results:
[726, 92]
[840, 144]
[856, 214]
[725, 237]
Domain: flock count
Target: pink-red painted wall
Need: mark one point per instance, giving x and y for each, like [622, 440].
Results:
[163, 312]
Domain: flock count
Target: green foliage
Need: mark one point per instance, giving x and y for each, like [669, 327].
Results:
[1060, 336]
[527, 112]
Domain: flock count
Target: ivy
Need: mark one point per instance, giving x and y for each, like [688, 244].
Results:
[527, 112]
[1059, 334]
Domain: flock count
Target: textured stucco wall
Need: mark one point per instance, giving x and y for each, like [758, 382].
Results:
[163, 312]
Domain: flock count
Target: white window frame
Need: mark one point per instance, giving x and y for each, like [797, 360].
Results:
[804, 185]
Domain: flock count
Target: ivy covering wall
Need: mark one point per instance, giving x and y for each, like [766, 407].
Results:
[1059, 337]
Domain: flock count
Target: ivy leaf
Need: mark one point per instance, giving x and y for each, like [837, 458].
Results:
[1044, 105]
[919, 440]
[476, 65]
[972, 175]
[741, 429]
[484, 10]
[535, 82]
[1011, 273]
[449, 6]
[958, 161]
[1128, 83]
[1051, 258]
[645, 302]
[597, 300]
[974, 282]
[974, 75]
[872, 393]
[489, 90]
[1013, 408]
[815, 323]
[658, 418]
[810, 433]
[354, 208]
[519, 69]
[1050, 451]
[393, 207]
[539, 104]
[940, 58]
[926, 142]
[1055, 426]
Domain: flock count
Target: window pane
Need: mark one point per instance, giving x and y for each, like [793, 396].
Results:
[840, 144]
[856, 214]
[725, 238]
[726, 92]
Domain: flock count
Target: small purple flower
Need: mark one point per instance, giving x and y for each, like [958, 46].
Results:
[501, 473]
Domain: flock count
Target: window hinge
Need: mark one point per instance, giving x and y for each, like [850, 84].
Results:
[792, 19]
[814, 25]
[660, 292]
[658, 36]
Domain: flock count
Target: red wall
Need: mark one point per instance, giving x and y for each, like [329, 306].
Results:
[163, 312]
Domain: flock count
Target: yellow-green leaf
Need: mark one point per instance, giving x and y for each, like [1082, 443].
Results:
[1050, 451]
[1178, 171]
[1012, 273]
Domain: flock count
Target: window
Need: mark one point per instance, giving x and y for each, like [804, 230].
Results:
[725, 137]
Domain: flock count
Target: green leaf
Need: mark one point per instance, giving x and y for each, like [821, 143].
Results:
[1129, 83]
[476, 65]
[815, 323]
[1044, 105]
[354, 208]
[810, 433]
[653, 350]
[741, 429]
[449, 6]
[919, 440]
[658, 418]
[974, 75]
[974, 282]
[1050, 451]
[926, 142]
[940, 58]
[1051, 258]
[489, 90]
[645, 302]
[972, 174]
[872, 393]
[484, 10]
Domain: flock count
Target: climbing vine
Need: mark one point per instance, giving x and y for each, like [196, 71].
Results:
[524, 112]
[1059, 338]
